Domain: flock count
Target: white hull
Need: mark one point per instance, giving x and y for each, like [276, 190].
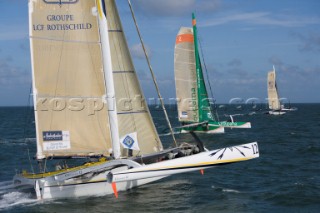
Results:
[91, 189]
[219, 130]
[276, 112]
[76, 187]
[289, 109]
[191, 163]
[97, 180]
[282, 111]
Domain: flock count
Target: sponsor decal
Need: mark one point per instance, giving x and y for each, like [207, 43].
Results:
[184, 114]
[225, 123]
[59, 145]
[219, 154]
[52, 136]
[56, 140]
[61, 22]
[130, 141]
[194, 104]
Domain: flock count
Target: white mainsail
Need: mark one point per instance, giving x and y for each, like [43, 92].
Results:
[133, 112]
[68, 79]
[273, 97]
[185, 76]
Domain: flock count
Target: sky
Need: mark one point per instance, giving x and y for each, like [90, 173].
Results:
[241, 41]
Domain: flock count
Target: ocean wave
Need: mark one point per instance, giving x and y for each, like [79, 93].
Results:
[17, 141]
[225, 189]
[231, 190]
[12, 199]
[5, 185]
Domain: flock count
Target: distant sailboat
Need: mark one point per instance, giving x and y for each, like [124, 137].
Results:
[194, 110]
[275, 107]
[90, 110]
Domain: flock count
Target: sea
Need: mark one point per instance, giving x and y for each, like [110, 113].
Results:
[285, 178]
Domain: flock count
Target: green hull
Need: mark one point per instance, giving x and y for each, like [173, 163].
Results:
[231, 124]
[214, 127]
[203, 129]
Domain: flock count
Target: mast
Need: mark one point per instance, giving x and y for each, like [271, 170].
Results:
[107, 64]
[204, 108]
[39, 154]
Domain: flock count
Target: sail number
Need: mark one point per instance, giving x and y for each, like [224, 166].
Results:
[255, 149]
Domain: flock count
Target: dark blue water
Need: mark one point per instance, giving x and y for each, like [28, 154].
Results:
[286, 177]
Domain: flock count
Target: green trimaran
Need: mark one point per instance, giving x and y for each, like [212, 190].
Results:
[194, 109]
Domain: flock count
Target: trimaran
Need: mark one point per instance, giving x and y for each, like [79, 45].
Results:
[194, 108]
[89, 107]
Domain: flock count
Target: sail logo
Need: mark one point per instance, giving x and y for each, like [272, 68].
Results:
[184, 114]
[52, 136]
[56, 140]
[271, 85]
[130, 141]
[60, 1]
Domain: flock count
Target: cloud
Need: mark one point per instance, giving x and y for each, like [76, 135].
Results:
[24, 47]
[296, 72]
[310, 42]
[176, 8]
[276, 61]
[208, 5]
[12, 75]
[137, 51]
[235, 62]
[262, 18]
[13, 32]
[164, 7]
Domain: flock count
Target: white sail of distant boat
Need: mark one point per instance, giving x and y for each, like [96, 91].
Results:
[275, 106]
[273, 96]
[89, 105]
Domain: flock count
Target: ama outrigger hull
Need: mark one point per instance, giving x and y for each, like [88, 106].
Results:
[199, 161]
[109, 177]
[214, 127]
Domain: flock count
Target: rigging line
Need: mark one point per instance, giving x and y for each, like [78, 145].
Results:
[24, 128]
[208, 80]
[153, 76]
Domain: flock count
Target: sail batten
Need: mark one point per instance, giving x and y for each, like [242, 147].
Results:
[63, 40]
